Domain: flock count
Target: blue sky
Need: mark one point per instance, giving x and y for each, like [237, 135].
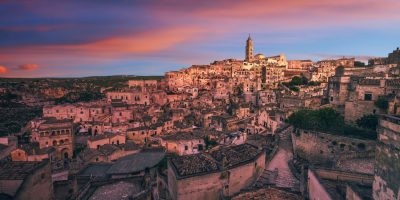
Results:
[85, 38]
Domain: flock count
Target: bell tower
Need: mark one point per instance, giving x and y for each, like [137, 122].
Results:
[249, 49]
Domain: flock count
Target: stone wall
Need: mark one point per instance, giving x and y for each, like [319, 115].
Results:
[315, 189]
[356, 109]
[323, 148]
[387, 160]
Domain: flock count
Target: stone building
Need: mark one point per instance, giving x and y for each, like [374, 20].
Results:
[394, 57]
[355, 94]
[183, 143]
[94, 142]
[26, 180]
[222, 172]
[299, 64]
[7, 145]
[55, 133]
[32, 152]
[387, 164]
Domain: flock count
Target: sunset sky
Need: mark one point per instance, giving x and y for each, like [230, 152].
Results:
[101, 37]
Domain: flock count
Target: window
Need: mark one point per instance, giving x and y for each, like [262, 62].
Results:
[367, 97]
[186, 148]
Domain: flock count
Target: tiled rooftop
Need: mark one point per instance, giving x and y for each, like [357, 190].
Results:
[102, 136]
[18, 170]
[210, 162]
[182, 136]
[194, 164]
[33, 148]
[136, 162]
[236, 154]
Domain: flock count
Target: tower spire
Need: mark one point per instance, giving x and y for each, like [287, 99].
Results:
[249, 49]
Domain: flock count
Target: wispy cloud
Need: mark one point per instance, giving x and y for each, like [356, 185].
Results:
[48, 34]
[28, 67]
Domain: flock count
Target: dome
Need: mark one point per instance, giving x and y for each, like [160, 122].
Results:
[259, 56]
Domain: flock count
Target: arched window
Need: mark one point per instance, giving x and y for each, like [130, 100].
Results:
[61, 142]
[54, 143]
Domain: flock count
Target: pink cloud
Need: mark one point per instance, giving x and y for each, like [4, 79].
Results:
[3, 69]
[28, 67]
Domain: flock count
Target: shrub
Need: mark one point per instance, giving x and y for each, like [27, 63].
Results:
[382, 103]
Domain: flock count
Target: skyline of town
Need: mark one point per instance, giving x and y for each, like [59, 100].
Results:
[152, 38]
[199, 100]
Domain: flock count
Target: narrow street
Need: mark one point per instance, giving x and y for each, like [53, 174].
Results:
[277, 171]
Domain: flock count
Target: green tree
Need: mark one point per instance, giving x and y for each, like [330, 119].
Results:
[368, 122]
[322, 119]
[296, 81]
[382, 103]
[359, 64]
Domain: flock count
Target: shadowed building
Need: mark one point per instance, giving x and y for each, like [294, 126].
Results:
[26, 180]
[387, 165]
[223, 172]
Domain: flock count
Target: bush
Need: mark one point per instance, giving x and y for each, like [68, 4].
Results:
[382, 103]
[322, 119]
[359, 64]
[329, 121]
[368, 122]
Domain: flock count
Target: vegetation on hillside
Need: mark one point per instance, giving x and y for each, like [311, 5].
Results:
[330, 121]
[359, 64]
[84, 96]
[299, 81]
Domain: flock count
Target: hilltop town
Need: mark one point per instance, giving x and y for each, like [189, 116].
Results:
[260, 128]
